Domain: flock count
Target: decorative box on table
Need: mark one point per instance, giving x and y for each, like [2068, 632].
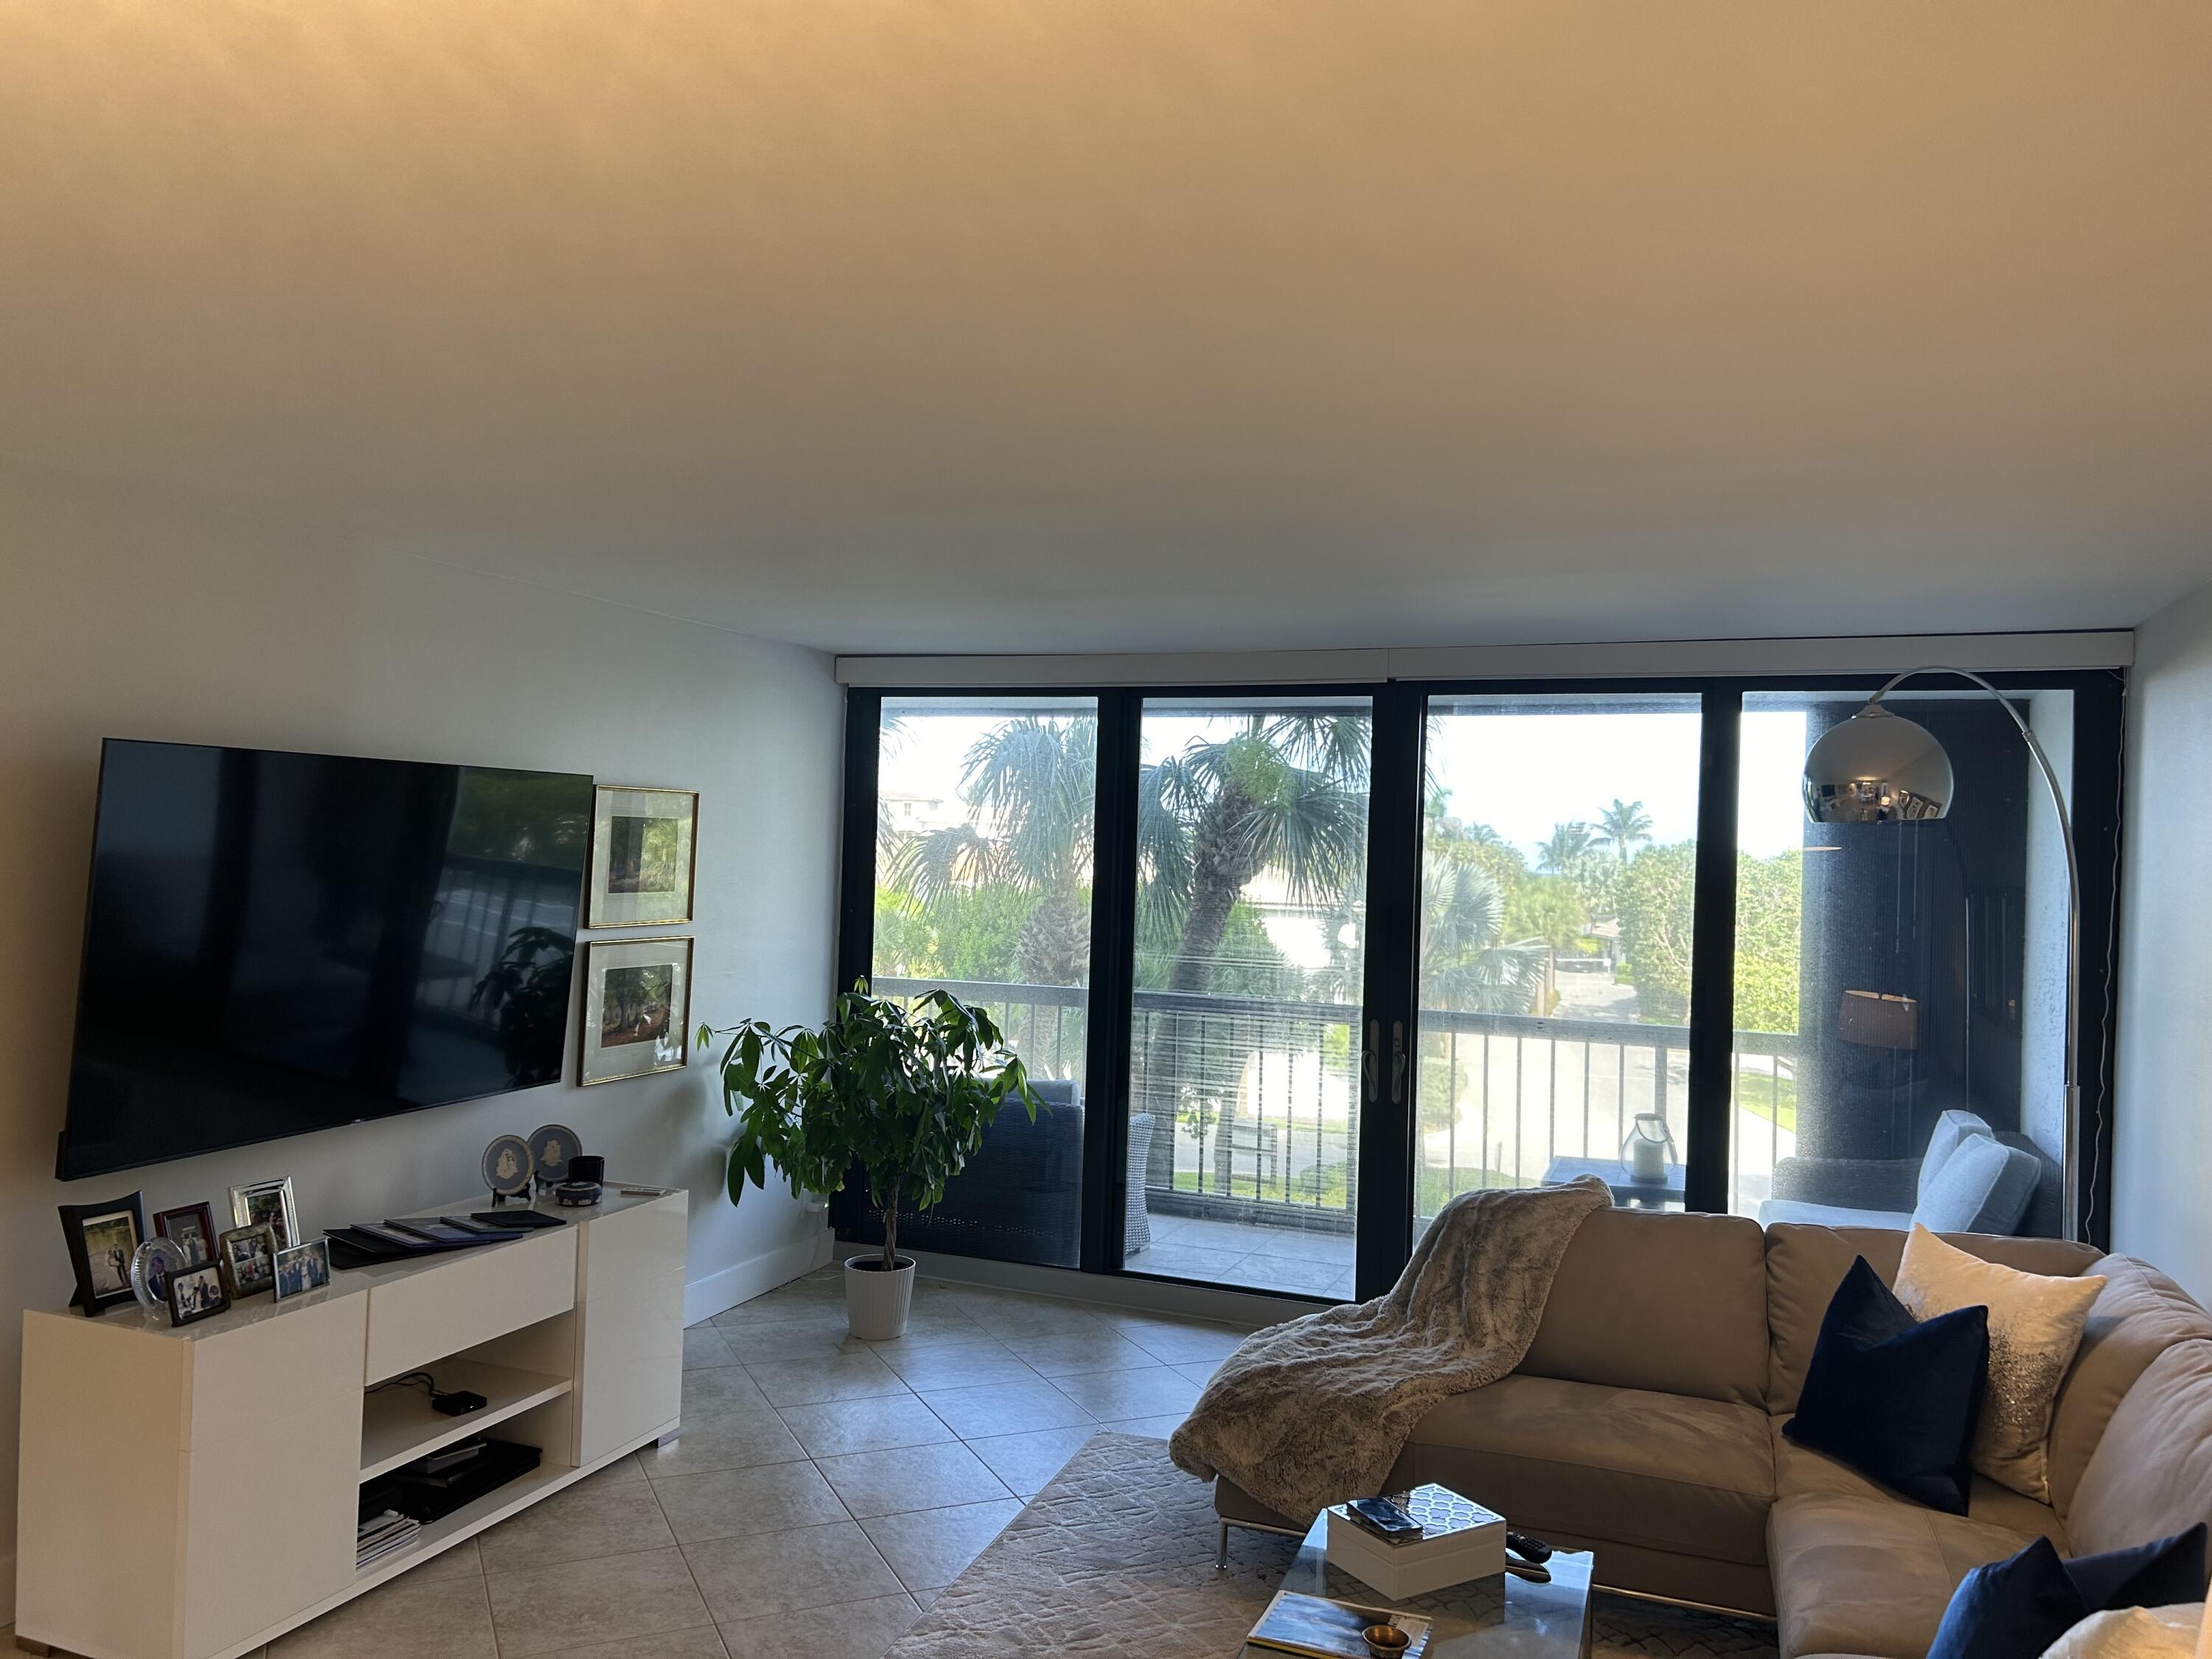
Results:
[1460, 1540]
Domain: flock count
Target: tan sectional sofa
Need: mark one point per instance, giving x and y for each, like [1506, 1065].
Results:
[1645, 1423]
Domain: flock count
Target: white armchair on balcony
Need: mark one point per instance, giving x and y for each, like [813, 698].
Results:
[1968, 1180]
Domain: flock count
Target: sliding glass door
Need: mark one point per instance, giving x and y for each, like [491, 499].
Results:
[985, 834]
[1557, 881]
[1896, 982]
[1245, 1032]
[1295, 967]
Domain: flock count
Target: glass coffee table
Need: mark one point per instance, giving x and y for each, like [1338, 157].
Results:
[1505, 1617]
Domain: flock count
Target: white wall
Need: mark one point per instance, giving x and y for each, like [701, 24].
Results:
[2162, 1116]
[159, 619]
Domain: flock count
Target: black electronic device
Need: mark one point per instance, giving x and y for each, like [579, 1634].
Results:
[1386, 1519]
[459, 1403]
[277, 943]
[1528, 1547]
[426, 1495]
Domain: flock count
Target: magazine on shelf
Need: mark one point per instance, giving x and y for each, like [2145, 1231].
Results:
[383, 1534]
[1315, 1627]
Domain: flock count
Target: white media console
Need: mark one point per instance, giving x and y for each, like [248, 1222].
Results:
[191, 1492]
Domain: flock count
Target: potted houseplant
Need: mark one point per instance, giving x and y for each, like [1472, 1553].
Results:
[905, 1093]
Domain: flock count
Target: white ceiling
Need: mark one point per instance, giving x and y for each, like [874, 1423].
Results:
[1038, 324]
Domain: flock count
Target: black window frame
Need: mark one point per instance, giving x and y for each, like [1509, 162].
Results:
[1385, 1170]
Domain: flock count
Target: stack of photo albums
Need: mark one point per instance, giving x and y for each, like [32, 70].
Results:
[383, 1534]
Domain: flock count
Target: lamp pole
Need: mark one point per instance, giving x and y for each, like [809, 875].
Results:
[1841, 810]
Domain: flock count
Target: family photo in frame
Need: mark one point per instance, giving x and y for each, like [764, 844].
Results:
[267, 1204]
[248, 1259]
[197, 1293]
[302, 1267]
[192, 1226]
[103, 1238]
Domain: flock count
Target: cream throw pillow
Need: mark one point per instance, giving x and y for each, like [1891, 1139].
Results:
[2133, 1633]
[2035, 1325]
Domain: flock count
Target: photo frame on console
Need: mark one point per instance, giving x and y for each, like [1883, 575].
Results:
[267, 1204]
[197, 1293]
[102, 1240]
[302, 1269]
[645, 856]
[247, 1258]
[192, 1226]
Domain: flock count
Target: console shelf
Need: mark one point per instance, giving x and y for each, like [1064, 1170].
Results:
[398, 1424]
[241, 1444]
[493, 1507]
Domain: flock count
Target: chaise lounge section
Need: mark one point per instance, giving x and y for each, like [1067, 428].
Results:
[1645, 1423]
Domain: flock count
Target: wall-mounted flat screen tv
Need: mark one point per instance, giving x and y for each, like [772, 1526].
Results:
[279, 943]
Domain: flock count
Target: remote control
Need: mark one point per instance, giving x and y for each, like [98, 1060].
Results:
[1528, 1548]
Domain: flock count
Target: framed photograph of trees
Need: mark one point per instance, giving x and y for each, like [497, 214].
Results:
[644, 855]
[637, 1008]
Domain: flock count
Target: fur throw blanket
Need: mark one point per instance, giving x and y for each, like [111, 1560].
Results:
[1310, 1413]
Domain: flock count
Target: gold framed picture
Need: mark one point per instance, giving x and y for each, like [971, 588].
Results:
[644, 856]
[637, 1008]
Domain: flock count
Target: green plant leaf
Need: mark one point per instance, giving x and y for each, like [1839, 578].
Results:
[905, 1091]
[737, 1172]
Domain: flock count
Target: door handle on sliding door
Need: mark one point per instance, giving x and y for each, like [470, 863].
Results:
[1368, 1060]
[1397, 1062]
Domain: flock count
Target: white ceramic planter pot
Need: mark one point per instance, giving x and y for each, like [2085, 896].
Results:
[876, 1302]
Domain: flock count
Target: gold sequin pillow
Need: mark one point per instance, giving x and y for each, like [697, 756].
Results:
[2035, 1325]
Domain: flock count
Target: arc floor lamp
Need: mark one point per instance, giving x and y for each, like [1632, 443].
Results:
[1878, 768]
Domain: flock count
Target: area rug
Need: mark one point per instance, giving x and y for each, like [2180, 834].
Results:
[1115, 1557]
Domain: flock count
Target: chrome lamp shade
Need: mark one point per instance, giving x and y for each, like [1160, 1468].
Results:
[1876, 767]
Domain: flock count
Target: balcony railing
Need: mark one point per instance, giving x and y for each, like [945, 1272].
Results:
[1264, 1095]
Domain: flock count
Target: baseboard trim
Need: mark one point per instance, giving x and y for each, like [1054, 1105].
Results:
[719, 1292]
[1133, 1292]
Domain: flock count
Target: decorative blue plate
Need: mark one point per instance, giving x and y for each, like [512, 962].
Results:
[506, 1166]
[551, 1148]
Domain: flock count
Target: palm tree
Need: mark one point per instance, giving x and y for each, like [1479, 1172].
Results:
[1568, 844]
[1623, 825]
[1286, 793]
[1031, 783]
[1467, 966]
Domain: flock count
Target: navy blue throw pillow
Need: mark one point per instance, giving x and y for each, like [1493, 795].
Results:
[1893, 1396]
[2155, 1575]
[2010, 1609]
[2021, 1606]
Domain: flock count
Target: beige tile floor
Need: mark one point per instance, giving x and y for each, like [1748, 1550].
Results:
[823, 1490]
